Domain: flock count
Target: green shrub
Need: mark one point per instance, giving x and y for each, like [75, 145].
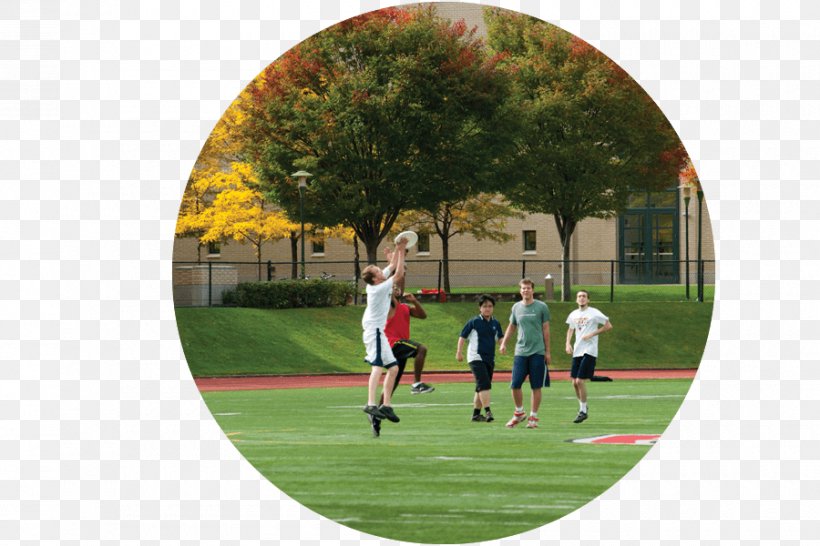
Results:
[290, 293]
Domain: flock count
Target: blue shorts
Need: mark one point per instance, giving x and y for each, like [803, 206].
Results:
[583, 367]
[533, 366]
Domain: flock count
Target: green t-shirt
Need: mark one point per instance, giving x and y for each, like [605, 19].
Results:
[529, 320]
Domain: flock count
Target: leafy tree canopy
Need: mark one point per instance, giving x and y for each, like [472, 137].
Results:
[382, 109]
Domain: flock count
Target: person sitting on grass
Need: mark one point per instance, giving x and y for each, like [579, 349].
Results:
[482, 332]
[584, 323]
[379, 355]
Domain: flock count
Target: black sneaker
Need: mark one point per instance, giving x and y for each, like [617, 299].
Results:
[374, 411]
[479, 418]
[387, 413]
[581, 417]
[421, 388]
[375, 425]
[489, 417]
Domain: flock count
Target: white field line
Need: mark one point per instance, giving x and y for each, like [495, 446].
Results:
[604, 397]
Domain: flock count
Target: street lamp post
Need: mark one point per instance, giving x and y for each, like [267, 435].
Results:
[687, 196]
[302, 177]
[700, 244]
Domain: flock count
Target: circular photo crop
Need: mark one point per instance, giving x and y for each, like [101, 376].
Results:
[521, 345]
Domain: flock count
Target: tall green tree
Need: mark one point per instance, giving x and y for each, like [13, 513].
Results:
[587, 134]
[389, 110]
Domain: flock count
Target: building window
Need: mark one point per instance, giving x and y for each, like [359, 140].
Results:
[318, 246]
[214, 249]
[424, 243]
[529, 241]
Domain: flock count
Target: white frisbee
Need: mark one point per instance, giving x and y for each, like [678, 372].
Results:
[411, 236]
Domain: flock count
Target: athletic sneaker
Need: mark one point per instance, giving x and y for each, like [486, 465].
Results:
[581, 417]
[489, 417]
[532, 422]
[516, 418]
[375, 425]
[479, 418]
[374, 411]
[421, 388]
[387, 413]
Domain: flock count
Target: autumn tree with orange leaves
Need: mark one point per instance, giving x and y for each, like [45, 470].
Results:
[587, 135]
[392, 110]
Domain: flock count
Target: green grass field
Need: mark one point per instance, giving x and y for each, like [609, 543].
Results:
[436, 477]
[236, 341]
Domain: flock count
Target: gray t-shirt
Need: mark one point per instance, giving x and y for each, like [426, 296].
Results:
[529, 320]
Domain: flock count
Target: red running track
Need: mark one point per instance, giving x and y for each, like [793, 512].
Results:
[247, 383]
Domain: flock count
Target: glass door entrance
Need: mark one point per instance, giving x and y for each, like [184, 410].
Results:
[649, 240]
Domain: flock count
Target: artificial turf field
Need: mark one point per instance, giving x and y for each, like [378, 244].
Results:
[437, 477]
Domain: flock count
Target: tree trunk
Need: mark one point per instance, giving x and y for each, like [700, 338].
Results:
[294, 255]
[566, 278]
[258, 246]
[445, 266]
[371, 245]
[357, 269]
[566, 227]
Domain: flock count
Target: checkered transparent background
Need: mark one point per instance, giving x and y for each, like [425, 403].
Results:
[103, 109]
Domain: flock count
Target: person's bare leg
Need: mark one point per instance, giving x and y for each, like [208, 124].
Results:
[418, 363]
[389, 381]
[484, 397]
[373, 384]
[518, 398]
[536, 400]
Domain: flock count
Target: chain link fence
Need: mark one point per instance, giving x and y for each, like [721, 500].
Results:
[199, 284]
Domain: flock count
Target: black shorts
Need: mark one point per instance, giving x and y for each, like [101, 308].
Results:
[405, 348]
[583, 367]
[483, 373]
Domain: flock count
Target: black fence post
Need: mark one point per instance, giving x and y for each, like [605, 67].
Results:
[523, 269]
[611, 281]
[210, 283]
[438, 287]
[270, 271]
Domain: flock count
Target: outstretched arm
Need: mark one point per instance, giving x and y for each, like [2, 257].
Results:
[398, 261]
[417, 310]
[460, 349]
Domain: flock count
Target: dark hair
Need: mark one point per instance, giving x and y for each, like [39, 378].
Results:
[485, 297]
[584, 291]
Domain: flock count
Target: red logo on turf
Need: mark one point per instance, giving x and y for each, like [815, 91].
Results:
[620, 439]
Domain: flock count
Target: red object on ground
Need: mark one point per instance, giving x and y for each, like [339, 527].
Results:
[442, 295]
[206, 384]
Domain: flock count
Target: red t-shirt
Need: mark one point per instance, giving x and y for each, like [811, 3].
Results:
[398, 327]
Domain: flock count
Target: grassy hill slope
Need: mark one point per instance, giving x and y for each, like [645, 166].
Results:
[237, 341]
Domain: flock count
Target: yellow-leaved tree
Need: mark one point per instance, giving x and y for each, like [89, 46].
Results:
[238, 211]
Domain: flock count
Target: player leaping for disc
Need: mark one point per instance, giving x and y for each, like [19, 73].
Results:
[379, 355]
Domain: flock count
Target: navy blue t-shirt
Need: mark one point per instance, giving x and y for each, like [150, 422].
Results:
[481, 335]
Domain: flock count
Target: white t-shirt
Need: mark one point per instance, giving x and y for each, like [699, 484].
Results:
[585, 322]
[378, 302]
